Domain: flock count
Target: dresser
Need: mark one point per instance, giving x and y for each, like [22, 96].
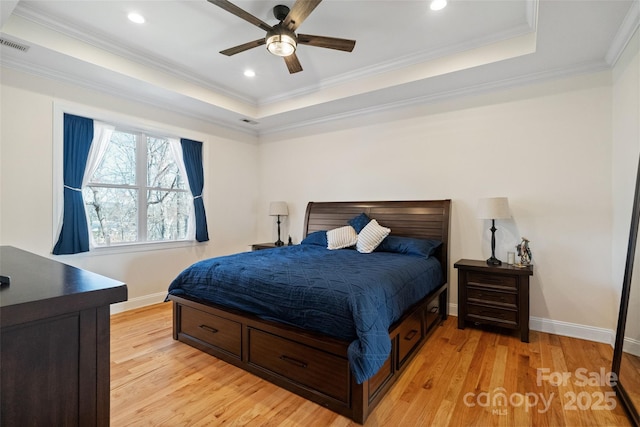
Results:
[54, 342]
[494, 295]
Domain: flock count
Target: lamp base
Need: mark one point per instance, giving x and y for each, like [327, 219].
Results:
[494, 261]
[279, 243]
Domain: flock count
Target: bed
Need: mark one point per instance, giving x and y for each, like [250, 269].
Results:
[347, 370]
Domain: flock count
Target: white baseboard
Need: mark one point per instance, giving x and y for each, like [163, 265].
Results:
[632, 346]
[453, 309]
[574, 330]
[138, 302]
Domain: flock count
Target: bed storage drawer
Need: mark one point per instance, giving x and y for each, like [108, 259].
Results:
[432, 314]
[214, 330]
[409, 335]
[306, 365]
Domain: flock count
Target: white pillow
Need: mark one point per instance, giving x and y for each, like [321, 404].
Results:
[342, 237]
[371, 236]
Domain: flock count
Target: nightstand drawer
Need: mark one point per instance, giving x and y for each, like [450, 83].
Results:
[483, 295]
[492, 280]
[478, 313]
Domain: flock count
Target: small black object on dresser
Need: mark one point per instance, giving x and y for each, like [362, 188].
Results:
[494, 295]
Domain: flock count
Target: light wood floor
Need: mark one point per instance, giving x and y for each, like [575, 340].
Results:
[456, 379]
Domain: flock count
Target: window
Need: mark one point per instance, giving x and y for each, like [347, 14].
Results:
[137, 193]
[119, 185]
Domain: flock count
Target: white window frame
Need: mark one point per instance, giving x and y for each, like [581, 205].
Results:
[122, 123]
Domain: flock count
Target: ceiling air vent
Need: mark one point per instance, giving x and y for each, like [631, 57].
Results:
[250, 122]
[12, 44]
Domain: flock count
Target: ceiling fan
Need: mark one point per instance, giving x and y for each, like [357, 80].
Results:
[281, 39]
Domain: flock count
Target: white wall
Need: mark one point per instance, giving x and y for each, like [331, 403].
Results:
[547, 147]
[26, 157]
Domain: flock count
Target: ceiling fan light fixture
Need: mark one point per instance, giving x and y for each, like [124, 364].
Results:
[281, 44]
[281, 41]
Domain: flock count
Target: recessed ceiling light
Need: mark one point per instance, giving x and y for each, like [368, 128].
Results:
[438, 4]
[249, 73]
[136, 17]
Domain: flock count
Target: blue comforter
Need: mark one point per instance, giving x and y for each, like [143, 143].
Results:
[342, 293]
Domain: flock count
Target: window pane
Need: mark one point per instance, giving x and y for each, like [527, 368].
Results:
[162, 171]
[167, 215]
[113, 214]
[119, 163]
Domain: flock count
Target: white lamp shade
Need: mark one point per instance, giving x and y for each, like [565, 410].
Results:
[278, 208]
[493, 208]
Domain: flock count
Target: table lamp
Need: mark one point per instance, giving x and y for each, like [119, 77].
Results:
[278, 209]
[493, 208]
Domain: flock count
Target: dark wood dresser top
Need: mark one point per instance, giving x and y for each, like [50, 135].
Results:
[39, 284]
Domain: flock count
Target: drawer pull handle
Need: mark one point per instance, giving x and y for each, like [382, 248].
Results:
[412, 333]
[434, 309]
[293, 361]
[209, 329]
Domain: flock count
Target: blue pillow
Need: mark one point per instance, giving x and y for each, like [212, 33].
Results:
[409, 246]
[359, 222]
[318, 238]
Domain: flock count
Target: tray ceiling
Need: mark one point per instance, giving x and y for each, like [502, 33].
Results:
[405, 53]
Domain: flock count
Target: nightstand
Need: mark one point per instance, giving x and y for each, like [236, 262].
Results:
[259, 246]
[494, 295]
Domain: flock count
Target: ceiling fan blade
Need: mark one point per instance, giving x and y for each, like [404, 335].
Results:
[240, 13]
[242, 47]
[328, 42]
[292, 63]
[299, 12]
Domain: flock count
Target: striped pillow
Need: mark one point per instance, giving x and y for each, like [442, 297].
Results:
[371, 236]
[342, 237]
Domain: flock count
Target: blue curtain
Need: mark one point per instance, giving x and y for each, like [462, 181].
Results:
[192, 156]
[74, 236]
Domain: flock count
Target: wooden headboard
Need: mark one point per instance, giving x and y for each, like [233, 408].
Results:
[425, 219]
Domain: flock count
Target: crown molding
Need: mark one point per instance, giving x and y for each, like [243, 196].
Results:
[532, 13]
[629, 26]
